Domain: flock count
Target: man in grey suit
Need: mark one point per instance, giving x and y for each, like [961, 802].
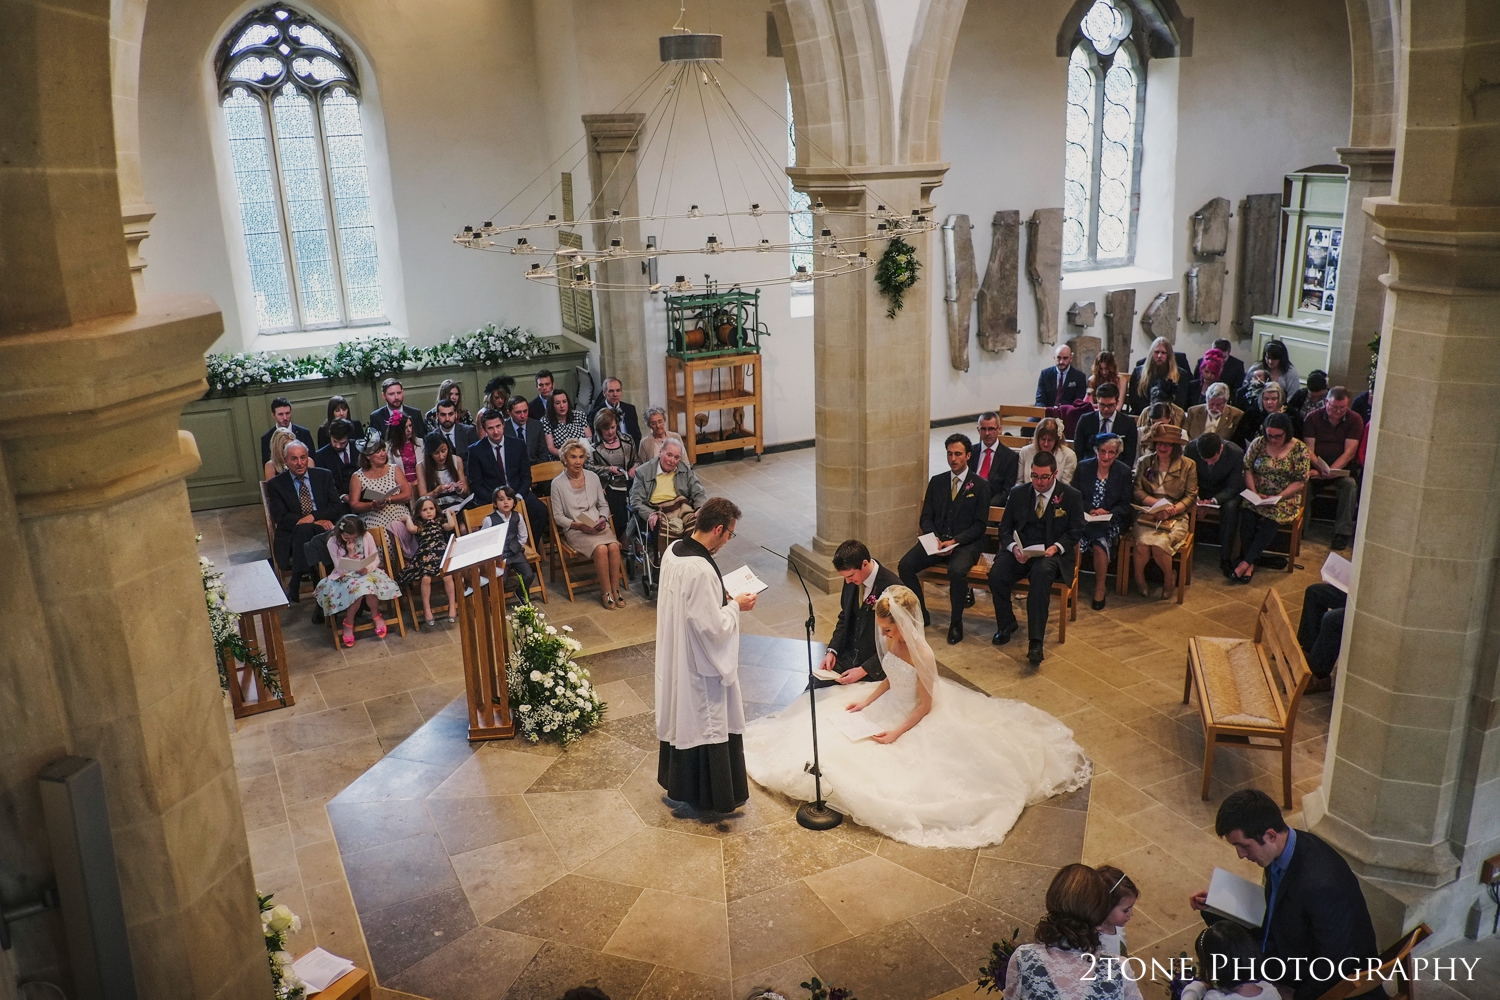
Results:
[528, 431]
[459, 436]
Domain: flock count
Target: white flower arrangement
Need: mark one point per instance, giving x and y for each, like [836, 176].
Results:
[550, 692]
[225, 625]
[276, 922]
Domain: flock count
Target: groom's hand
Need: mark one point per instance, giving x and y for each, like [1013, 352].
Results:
[851, 675]
[830, 660]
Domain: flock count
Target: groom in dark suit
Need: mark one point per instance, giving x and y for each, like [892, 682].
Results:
[1044, 512]
[853, 651]
[956, 510]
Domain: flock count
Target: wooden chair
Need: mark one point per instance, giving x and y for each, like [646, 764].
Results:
[580, 563]
[413, 592]
[474, 517]
[979, 576]
[1016, 424]
[1395, 967]
[1182, 561]
[1249, 690]
[335, 624]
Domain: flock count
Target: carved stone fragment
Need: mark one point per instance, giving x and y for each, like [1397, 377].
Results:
[1119, 321]
[1082, 315]
[1205, 292]
[1044, 268]
[958, 292]
[1002, 278]
[1085, 351]
[1211, 229]
[1160, 317]
[1260, 236]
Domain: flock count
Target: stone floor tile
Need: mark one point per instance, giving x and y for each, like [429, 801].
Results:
[383, 876]
[396, 778]
[778, 925]
[573, 910]
[337, 922]
[401, 935]
[477, 966]
[309, 823]
[433, 699]
[557, 968]
[597, 761]
[872, 892]
[1012, 886]
[394, 717]
[319, 729]
[583, 825]
[614, 665]
[674, 984]
[468, 824]
[638, 730]
[358, 826]
[1108, 837]
[680, 932]
[950, 866]
[442, 742]
[1166, 885]
[380, 676]
[497, 877]
[774, 855]
[963, 931]
[252, 753]
[622, 699]
[785, 978]
[261, 801]
[664, 860]
[1043, 836]
[322, 773]
[320, 864]
[893, 963]
[493, 770]
[645, 796]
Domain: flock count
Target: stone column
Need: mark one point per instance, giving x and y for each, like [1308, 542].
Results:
[106, 650]
[1361, 298]
[872, 375]
[127, 24]
[614, 141]
[1411, 787]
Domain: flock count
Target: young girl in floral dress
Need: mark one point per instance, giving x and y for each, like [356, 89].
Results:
[343, 591]
[431, 534]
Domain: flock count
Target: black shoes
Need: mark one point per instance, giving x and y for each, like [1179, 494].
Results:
[1340, 542]
[1003, 634]
[317, 618]
[1034, 651]
[294, 589]
[969, 600]
[955, 633]
[926, 619]
[1099, 605]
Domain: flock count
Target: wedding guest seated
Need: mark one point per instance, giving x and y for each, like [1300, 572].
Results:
[1061, 383]
[1311, 396]
[446, 423]
[1231, 372]
[280, 438]
[1159, 369]
[1068, 414]
[394, 394]
[1268, 400]
[666, 495]
[544, 387]
[1045, 512]
[379, 493]
[497, 392]
[1162, 474]
[338, 409]
[582, 518]
[441, 475]
[1334, 433]
[1106, 372]
[624, 412]
[406, 451]
[1214, 414]
[1276, 465]
[1107, 419]
[338, 455]
[1321, 632]
[613, 461]
[956, 509]
[1221, 476]
[431, 530]
[1106, 485]
[303, 503]
[281, 413]
[1048, 437]
[516, 537]
[1364, 404]
[453, 393]
[346, 590]
[497, 460]
[993, 460]
[526, 430]
[1210, 367]
[1062, 960]
[657, 434]
[852, 651]
[1275, 366]
[1161, 413]
[563, 424]
[1227, 964]
[1314, 905]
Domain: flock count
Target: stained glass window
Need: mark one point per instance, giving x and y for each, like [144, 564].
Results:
[1101, 158]
[290, 97]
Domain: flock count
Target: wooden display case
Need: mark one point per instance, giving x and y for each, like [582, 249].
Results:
[737, 383]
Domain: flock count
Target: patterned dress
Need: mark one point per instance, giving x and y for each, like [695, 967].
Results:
[1037, 972]
[575, 428]
[338, 591]
[391, 512]
[1272, 475]
[432, 542]
[1106, 533]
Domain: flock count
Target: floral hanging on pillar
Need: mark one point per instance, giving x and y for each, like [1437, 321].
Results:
[897, 272]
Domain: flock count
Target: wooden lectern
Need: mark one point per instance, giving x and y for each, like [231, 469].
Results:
[476, 562]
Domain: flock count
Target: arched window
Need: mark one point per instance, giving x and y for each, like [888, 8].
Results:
[290, 97]
[1101, 172]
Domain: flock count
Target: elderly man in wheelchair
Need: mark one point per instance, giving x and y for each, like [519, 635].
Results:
[664, 498]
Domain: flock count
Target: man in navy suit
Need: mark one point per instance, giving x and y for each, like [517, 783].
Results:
[1062, 383]
[956, 510]
[394, 394]
[1042, 512]
[497, 460]
[624, 412]
[281, 412]
[303, 503]
[338, 455]
[1106, 419]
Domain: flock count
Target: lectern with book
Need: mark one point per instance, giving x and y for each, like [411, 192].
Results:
[476, 561]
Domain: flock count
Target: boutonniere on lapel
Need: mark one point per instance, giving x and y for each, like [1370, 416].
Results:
[969, 488]
[1057, 510]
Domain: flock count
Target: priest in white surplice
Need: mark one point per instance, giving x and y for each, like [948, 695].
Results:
[700, 715]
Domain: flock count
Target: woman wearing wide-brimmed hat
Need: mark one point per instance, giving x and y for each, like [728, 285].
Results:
[1166, 487]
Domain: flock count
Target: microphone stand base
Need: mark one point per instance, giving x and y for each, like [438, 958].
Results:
[818, 816]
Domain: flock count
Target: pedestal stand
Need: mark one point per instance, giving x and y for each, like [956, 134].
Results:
[480, 592]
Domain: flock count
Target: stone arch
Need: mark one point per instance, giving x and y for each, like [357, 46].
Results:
[1375, 44]
[841, 94]
[925, 86]
[127, 23]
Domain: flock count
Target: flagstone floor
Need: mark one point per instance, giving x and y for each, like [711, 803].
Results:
[535, 870]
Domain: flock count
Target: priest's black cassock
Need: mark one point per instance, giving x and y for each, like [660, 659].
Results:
[700, 715]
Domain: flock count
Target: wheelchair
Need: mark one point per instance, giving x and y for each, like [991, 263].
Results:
[642, 561]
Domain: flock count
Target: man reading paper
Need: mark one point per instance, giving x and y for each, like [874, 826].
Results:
[700, 714]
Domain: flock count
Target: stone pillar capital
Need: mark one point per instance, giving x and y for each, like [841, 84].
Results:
[842, 186]
[1368, 163]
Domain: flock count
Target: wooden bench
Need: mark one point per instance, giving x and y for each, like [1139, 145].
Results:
[1396, 957]
[1291, 534]
[979, 576]
[1249, 690]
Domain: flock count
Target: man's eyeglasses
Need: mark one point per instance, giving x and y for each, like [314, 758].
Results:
[1044, 477]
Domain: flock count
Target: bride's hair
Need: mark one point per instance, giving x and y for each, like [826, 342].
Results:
[897, 595]
[1077, 903]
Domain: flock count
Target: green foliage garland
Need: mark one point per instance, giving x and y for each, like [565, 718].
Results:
[226, 633]
[897, 272]
[550, 694]
[367, 358]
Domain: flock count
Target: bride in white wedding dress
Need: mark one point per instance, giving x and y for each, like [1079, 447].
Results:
[952, 767]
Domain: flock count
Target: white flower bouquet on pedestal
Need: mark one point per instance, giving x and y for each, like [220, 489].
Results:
[550, 694]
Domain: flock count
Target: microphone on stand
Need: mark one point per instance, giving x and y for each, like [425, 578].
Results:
[815, 815]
